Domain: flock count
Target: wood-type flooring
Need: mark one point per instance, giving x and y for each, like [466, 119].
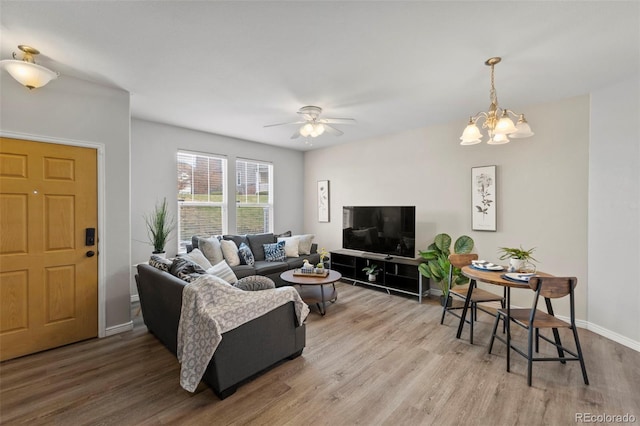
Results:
[374, 359]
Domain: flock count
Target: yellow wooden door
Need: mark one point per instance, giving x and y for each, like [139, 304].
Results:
[48, 280]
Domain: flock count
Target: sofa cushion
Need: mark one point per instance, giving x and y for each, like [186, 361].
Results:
[274, 252]
[242, 271]
[290, 246]
[257, 241]
[230, 252]
[245, 254]
[264, 267]
[238, 239]
[223, 271]
[161, 263]
[211, 249]
[196, 256]
[185, 269]
[304, 246]
[255, 283]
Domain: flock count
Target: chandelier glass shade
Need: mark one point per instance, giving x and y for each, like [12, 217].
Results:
[25, 71]
[497, 121]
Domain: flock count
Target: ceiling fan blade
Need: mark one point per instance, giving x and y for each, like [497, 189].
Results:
[284, 124]
[296, 135]
[332, 130]
[339, 120]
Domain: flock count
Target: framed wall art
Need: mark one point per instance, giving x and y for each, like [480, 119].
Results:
[483, 198]
[323, 201]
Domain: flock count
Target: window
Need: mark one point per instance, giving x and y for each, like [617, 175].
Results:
[254, 197]
[202, 200]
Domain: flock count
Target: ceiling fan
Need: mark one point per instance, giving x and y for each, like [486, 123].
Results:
[312, 125]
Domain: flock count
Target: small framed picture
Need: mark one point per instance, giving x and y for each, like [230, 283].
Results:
[323, 201]
[483, 198]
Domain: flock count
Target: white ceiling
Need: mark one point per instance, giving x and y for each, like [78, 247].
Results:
[232, 67]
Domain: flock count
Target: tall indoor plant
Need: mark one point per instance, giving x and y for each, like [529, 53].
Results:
[160, 224]
[437, 262]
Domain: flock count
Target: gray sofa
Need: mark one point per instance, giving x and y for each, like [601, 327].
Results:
[262, 266]
[243, 352]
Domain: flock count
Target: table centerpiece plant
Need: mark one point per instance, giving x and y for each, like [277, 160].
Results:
[520, 260]
[437, 262]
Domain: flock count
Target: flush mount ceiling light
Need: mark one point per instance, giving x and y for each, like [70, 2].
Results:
[26, 71]
[497, 121]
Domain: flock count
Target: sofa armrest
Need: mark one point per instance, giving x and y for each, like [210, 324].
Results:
[161, 303]
[314, 248]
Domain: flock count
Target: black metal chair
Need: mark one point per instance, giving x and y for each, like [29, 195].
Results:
[534, 319]
[460, 292]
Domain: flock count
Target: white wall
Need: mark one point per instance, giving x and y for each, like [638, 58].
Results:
[153, 177]
[542, 187]
[614, 212]
[73, 109]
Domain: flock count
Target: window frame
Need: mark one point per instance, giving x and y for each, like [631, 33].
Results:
[269, 204]
[224, 204]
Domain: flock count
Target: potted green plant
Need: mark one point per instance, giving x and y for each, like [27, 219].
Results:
[160, 224]
[519, 258]
[371, 270]
[437, 262]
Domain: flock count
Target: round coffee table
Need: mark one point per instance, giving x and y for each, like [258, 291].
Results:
[312, 289]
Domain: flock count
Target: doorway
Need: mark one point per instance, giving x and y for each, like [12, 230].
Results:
[48, 251]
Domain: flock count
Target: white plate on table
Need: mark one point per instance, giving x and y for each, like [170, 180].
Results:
[516, 276]
[486, 266]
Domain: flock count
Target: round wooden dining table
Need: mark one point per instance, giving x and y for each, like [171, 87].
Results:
[496, 278]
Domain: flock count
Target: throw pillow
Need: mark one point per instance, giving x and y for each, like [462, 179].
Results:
[246, 257]
[211, 249]
[160, 262]
[274, 252]
[290, 246]
[255, 283]
[185, 269]
[223, 271]
[304, 246]
[284, 234]
[230, 252]
[196, 256]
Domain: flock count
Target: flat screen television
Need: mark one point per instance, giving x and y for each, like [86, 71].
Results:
[389, 230]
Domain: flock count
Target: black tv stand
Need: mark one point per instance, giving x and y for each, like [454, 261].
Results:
[399, 274]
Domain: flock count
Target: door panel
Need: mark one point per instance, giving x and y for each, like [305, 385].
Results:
[48, 287]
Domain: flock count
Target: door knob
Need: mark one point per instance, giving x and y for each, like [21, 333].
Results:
[91, 253]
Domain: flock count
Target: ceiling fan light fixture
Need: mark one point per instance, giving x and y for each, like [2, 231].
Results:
[306, 129]
[497, 120]
[25, 71]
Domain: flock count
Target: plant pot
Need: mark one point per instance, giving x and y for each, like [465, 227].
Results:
[162, 254]
[515, 265]
[372, 277]
[449, 301]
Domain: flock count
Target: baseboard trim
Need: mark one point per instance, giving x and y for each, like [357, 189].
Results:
[120, 328]
[612, 335]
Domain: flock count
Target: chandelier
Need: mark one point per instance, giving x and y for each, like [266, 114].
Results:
[26, 71]
[497, 120]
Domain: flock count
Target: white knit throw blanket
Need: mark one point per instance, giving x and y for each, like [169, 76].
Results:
[211, 307]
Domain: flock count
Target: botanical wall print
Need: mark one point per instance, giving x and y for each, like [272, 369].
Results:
[483, 198]
[323, 201]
